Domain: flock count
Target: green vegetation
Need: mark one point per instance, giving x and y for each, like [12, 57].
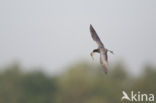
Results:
[81, 83]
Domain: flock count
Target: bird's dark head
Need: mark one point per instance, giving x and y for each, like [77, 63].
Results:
[94, 51]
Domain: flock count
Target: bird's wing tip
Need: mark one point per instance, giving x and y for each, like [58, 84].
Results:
[91, 26]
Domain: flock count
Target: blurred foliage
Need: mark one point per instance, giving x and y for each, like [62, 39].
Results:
[81, 83]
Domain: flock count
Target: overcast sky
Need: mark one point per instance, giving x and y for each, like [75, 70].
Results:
[55, 33]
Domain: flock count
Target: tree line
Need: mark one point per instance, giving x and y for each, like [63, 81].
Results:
[81, 83]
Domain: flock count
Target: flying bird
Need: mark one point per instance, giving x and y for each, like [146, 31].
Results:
[101, 49]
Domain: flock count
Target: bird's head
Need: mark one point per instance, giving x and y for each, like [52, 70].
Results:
[94, 51]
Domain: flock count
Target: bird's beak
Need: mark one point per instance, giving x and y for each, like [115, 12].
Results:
[91, 54]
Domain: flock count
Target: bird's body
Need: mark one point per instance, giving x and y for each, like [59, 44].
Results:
[101, 49]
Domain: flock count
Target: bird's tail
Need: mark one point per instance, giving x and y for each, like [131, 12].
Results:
[105, 68]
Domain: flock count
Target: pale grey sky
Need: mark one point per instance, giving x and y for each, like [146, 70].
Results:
[55, 33]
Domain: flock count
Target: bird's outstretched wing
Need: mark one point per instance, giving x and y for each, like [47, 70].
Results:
[95, 36]
[103, 61]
